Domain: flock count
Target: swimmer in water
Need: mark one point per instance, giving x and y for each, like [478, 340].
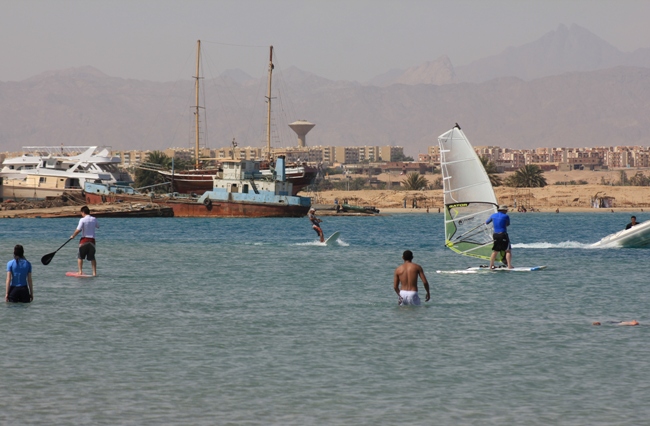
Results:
[633, 322]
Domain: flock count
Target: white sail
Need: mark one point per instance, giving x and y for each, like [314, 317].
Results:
[468, 196]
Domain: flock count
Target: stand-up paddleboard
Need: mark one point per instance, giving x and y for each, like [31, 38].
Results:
[76, 275]
[486, 268]
[332, 239]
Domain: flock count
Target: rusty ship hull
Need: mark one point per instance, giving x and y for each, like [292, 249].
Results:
[187, 207]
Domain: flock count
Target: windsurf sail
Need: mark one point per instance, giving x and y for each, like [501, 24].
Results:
[468, 196]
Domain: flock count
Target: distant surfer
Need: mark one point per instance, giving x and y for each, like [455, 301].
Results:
[87, 226]
[316, 224]
[407, 275]
[501, 222]
[19, 286]
[632, 223]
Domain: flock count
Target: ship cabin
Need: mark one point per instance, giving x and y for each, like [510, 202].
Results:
[46, 182]
[244, 177]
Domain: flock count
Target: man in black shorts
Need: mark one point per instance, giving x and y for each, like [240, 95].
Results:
[87, 226]
[501, 221]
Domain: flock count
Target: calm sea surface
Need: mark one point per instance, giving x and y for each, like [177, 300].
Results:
[250, 321]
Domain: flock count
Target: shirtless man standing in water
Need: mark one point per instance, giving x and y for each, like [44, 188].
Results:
[407, 275]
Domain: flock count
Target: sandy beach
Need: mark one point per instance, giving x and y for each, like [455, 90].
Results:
[553, 197]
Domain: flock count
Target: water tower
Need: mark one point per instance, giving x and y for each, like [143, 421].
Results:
[301, 127]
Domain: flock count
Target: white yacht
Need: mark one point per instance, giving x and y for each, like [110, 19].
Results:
[48, 171]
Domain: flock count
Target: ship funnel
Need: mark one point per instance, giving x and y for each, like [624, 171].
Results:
[301, 127]
[280, 169]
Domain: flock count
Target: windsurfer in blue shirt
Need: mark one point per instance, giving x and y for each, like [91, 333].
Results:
[501, 221]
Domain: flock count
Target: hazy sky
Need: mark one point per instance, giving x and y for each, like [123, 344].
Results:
[336, 39]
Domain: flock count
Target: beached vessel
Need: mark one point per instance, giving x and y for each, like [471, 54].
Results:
[48, 171]
[359, 209]
[239, 191]
[199, 180]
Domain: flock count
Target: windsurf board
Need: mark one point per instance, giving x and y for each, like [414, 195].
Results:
[475, 269]
[332, 239]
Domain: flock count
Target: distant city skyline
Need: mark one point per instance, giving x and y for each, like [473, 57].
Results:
[352, 40]
[510, 158]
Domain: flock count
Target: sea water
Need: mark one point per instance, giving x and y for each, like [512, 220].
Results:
[252, 321]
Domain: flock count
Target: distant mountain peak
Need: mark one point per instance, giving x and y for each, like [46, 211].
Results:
[565, 49]
[438, 72]
[75, 72]
[237, 75]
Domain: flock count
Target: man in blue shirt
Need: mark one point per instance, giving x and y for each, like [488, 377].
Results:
[501, 221]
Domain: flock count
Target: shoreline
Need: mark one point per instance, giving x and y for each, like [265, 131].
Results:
[564, 198]
[434, 211]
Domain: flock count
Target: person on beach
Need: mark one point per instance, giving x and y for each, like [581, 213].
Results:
[87, 226]
[632, 223]
[19, 286]
[633, 322]
[405, 281]
[501, 222]
[316, 224]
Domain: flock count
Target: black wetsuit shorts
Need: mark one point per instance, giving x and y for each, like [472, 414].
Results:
[19, 294]
[501, 241]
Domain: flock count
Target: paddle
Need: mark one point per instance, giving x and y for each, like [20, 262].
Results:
[45, 260]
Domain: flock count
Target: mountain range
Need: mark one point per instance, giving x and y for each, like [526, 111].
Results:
[569, 88]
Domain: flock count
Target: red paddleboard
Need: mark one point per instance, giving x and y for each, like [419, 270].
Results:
[76, 274]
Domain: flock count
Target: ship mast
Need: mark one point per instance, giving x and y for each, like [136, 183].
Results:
[268, 112]
[196, 111]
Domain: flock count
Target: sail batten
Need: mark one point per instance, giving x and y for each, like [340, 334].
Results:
[460, 189]
[459, 161]
[468, 196]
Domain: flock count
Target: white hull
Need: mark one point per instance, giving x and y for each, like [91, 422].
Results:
[22, 192]
[50, 171]
[52, 164]
[636, 236]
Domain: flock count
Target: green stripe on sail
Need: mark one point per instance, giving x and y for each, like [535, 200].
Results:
[471, 249]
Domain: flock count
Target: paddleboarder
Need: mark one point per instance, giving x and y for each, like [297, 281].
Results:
[19, 287]
[87, 226]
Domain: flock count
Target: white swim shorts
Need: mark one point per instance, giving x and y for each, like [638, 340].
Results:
[409, 298]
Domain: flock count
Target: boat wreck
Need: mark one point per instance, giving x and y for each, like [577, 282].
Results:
[241, 190]
[46, 172]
